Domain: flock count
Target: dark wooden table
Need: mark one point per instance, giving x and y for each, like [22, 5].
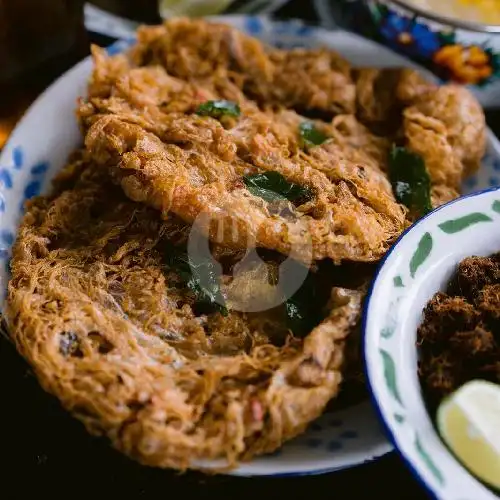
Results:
[45, 452]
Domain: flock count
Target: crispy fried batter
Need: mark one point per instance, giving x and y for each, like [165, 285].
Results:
[175, 67]
[107, 328]
[314, 79]
[187, 164]
[353, 215]
[382, 94]
[446, 126]
[115, 331]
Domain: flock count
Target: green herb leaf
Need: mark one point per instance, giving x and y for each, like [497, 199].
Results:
[304, 310]
[311, 136]
[216, 109]
[410, 180]
[201, 278]
[271, 186]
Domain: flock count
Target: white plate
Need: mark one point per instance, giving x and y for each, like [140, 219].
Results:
[48, 133]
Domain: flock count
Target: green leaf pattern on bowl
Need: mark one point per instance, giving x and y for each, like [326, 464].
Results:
[456, 225]
[387, 332]
[398, 282]
[421, 254]
[391, 324]
[419, 257]
[428, 461]
[390, 375]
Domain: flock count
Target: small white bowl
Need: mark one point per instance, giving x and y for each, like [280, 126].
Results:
[420, 264]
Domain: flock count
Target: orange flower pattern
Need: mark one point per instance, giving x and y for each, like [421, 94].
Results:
[438, 50]
[467, 65]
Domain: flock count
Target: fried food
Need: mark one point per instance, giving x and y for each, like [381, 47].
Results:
[199, 129]
[352, 216]
[447, 127]
[458, 338]
[382, 94]
[443, 124]
[177, 161]
[140, 121]
[106, 325]
[312, 79]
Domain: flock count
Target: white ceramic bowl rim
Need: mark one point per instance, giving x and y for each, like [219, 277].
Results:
[370, 383]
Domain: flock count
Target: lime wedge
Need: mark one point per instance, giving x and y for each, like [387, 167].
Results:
[195, 8]
[469, 423]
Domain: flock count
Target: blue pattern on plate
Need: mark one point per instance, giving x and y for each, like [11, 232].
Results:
[7, 236]
[305, 30]
[113, 50]
[6, 178]
[18, 157]
[314, 442]
[471, 182]
[293, 28]
[253, 25]
[335, 423]
[315, 427]
[348, 435]
[32, 189]
[494, 181]
[40, 168]
[335, 446]
[119, 46]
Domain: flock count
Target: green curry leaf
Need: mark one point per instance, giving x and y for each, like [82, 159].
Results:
[304, 309]
[272, 186]
[311, 136]
[410, 180]
[200, 277]
[216, 109]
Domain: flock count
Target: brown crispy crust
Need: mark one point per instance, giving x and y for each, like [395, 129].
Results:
[444, 124]
[140, 121]
[165, 155]
[95, 312]
[105, 322]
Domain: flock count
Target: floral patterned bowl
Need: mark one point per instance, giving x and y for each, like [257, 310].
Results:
[420, 264]
[454, 50]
